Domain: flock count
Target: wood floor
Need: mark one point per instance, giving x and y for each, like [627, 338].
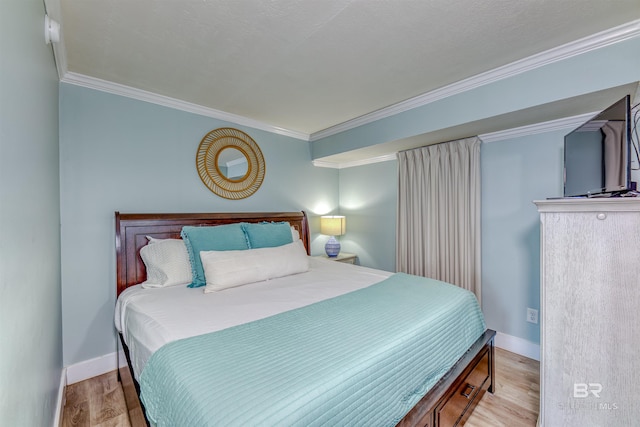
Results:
[516, 398]
[99, 401]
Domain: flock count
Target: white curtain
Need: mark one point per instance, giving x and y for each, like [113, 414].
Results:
[438, 228]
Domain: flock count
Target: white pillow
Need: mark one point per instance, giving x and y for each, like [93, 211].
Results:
[294, 234]
[167, 263]
[227, 269]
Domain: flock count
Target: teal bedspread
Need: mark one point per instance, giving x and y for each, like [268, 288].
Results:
[361, 359]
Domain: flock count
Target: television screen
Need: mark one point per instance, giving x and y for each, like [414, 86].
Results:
[597, 154]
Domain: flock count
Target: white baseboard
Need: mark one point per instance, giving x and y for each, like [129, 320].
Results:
[94, 367]
[518, 345]
[61, 400]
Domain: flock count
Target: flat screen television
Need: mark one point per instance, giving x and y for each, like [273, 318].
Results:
[597, 155]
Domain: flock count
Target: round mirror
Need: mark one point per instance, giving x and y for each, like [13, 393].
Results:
[230, 163]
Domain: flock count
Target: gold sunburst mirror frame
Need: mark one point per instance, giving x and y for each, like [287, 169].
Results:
[226, 146]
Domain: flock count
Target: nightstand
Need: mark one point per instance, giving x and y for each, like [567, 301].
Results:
[344, 257]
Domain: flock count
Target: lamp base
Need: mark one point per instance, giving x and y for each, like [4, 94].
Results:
[332, 248]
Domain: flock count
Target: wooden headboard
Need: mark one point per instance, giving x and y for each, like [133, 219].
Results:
[132, 229]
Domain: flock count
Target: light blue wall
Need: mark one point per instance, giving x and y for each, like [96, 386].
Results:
[127, 155]
[368, 198]
[514, 173]
[30, 313]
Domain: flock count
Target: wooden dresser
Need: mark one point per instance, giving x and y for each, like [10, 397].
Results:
[590, 312]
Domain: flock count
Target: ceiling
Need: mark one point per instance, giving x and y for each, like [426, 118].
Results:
[308, 65]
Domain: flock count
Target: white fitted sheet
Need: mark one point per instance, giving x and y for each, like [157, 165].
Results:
[150, 318]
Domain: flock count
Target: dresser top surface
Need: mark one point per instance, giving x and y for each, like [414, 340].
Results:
[613, 204]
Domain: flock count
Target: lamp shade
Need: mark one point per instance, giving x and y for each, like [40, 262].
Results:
[334, 225]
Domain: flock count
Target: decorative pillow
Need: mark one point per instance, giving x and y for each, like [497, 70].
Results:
[167, 263]
[267, 234]
[228, 237]
[295, 235]
[228, 269]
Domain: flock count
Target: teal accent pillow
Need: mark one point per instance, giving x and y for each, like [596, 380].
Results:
[267, 234]
[228, 237]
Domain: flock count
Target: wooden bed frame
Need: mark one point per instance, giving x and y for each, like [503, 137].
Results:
[448, 403]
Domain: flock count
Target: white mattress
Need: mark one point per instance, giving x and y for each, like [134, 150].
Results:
[150, 318]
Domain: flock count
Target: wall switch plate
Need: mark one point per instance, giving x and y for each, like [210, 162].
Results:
[532, 315]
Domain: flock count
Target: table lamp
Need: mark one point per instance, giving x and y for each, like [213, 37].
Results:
[332, 225]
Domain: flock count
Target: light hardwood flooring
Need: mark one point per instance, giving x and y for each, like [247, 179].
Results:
[516, 398]
[99, 401]
[96, 402]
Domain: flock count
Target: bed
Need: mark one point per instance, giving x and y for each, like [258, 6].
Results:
[360, 375]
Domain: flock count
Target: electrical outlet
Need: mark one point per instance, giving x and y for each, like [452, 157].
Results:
[532, 315]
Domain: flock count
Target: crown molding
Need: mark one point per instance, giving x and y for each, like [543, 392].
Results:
[154, 98]
[584, 45]
[550, 126]
[344, 165]
[566, 51]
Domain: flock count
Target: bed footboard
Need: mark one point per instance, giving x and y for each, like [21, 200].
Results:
[452, 400]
